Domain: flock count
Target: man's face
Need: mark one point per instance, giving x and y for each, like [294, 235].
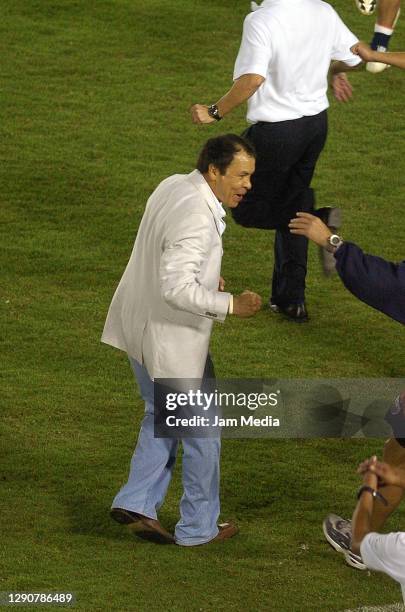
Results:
[230, 187]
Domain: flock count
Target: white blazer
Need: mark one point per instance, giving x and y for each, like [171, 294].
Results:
[162, 311]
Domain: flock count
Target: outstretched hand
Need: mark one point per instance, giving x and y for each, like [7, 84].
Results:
[312, 227]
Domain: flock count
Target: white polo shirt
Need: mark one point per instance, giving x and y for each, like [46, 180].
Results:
[386, 553]
[291, 44]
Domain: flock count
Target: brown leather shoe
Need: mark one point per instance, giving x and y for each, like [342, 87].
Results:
[124, 517]
[143, 526]
[226, 531]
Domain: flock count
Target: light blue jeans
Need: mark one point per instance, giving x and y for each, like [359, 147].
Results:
[152, 467]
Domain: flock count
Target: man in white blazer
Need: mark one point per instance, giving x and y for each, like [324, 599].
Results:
[162, 314]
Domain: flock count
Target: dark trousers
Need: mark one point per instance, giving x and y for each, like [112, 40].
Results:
[287, 153]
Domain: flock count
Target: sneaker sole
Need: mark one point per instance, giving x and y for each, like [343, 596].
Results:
[144, 530]
[334, 544]
[356, 564]
[122, 517]
[353, 563]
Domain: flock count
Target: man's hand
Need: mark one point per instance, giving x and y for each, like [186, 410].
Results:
[246, 304]
[364, 51]
[386, 474]
[312, 227]
[342, 90]
[199, 114]
[221, 284]
[370, 478]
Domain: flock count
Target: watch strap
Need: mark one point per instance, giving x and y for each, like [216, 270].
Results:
[374, 493]
[214, 112]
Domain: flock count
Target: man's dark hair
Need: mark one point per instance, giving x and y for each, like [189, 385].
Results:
[221, 150]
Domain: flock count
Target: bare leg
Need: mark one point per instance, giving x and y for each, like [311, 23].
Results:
[387, 15]
[386, 12]
[394, 454]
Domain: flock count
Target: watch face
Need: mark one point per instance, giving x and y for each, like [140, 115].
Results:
[334, 240]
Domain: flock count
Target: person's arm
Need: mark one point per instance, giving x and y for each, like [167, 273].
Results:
[343, 60]
[339, 67]
[373, 280]
[386, 474]
[242, 89]
[375, 475]
[184, 255]
[250, 71]
[361, 520]
[341, 87]
[369, 55]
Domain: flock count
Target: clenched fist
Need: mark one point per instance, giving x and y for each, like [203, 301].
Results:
[246, 304]
[364, 51]
[199, 114]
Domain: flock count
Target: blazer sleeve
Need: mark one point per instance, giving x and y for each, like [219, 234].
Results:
[185, 252]
[375, 281]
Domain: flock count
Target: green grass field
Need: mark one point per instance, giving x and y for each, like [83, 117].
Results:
[94, 113]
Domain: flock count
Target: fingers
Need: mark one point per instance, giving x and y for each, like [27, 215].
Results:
[301, 223]
[253, 301]
[247, 303]
[367, 464]
[253, 297]
[200, 115]
[343, 94]
[196, 113]
[342, 89]
[305, 215]
[363, 50]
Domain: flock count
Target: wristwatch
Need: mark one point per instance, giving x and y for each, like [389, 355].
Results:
[214, 112]
[334, 242]
[374, 493]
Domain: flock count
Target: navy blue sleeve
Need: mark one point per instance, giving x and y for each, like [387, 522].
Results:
[378, 283]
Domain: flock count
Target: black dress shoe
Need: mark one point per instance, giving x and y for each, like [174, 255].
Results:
[294, 312]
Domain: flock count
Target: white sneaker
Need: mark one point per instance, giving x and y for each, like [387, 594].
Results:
[376, 67]
[338, 532]
[366, 7]
[354, 560]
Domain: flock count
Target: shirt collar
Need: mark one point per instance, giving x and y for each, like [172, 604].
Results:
[215, 206]
[221, 212]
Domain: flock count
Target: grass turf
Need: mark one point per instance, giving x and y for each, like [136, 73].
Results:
[94, 114]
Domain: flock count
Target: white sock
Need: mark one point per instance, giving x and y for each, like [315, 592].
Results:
[383, 30]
